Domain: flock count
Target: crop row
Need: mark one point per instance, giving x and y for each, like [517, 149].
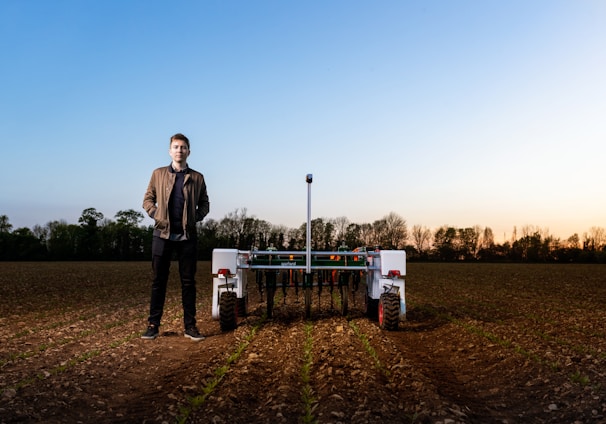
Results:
[308, 358]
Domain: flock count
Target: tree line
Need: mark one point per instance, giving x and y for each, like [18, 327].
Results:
[96, 237]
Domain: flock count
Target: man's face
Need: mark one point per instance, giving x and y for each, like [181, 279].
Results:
[178, 151]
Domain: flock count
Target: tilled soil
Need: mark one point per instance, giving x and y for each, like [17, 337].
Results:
[481, 343]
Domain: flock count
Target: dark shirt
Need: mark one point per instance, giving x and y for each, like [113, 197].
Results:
[176, 203]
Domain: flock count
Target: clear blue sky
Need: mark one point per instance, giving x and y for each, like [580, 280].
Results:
[489, 113]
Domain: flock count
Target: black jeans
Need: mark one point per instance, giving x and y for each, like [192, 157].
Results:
[162, 253]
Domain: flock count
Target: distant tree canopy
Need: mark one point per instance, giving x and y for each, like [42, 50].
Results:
[124, 238]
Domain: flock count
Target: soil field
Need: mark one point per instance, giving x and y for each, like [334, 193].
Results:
[482, 343]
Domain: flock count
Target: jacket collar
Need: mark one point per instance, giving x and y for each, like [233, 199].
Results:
[173, 171]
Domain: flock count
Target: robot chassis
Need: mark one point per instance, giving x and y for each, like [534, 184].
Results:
[384, 270]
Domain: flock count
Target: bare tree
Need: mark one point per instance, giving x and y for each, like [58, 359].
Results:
[321, 234]
[279, 233]
[487, 239]
[366, 234]
[295, 238]
[264, 235]
[595, 239]
[396, 231]
[421, 238]
[231, 227]
[340, 227]
[378, 232]
[41, 233]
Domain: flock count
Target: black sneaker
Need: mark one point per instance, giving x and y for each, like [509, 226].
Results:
[194, 334]
[151, 332]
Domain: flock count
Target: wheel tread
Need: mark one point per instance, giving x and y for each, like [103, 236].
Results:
[228, 311]
[391, 311]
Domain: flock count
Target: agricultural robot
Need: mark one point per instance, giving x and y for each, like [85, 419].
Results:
[384, 271]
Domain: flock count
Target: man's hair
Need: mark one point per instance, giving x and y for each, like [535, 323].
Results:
[181, 137]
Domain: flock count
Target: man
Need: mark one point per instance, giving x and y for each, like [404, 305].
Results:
[175, 199]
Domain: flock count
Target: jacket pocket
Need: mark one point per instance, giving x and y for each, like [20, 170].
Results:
[161, 225]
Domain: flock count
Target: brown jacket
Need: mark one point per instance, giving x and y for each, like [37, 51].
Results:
[155, 201]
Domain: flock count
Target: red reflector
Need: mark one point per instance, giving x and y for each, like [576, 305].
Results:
[223, 271]
[393, 273]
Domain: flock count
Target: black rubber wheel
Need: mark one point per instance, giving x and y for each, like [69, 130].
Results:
[389, 311]
[228, 311]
